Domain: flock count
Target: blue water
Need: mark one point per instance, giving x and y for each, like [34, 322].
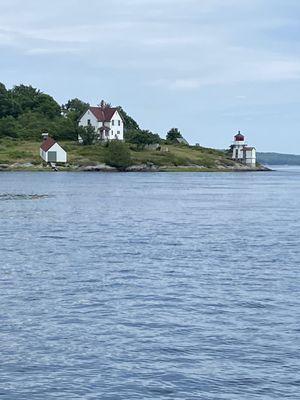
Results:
[150, 286]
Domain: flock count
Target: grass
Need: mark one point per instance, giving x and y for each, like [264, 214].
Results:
[171, 157]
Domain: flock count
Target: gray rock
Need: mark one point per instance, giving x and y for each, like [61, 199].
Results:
[3, 167]
[22, 165]
[98, 168]
[149, 167]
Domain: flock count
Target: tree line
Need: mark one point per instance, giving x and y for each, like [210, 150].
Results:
[26, 112]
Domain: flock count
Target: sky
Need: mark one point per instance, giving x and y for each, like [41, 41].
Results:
[207, 67]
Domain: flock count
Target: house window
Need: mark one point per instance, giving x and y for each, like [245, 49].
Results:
[118, 132]
[89, 122]
[119, 123]
[113, 122]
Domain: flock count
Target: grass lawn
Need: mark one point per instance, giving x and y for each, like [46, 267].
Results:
[18, 151]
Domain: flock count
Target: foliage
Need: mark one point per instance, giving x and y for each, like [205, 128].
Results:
[74, 109]
[173, 134]
[31, 99]
[87, 134]
[141, 138]
[32, 124]
[118, 155]
[26, 112]
[9, 126]
[3, 89]
[129, 123]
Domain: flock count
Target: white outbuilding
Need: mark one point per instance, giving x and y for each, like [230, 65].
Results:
[51, 151]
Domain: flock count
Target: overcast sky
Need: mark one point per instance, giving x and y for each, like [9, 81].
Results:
[208, 67]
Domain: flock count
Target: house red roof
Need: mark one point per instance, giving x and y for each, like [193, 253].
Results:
[103, 114]
[47, 144]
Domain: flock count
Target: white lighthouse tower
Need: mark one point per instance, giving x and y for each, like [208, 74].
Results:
[243, 153]
[238, 147]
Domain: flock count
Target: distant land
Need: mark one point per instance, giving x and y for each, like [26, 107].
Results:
[278, 159]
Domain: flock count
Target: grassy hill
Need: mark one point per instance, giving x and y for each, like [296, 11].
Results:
[16, 153]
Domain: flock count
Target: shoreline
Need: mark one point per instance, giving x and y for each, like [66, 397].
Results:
[103, 168]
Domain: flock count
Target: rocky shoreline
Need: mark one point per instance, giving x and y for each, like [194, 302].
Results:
[149, 167]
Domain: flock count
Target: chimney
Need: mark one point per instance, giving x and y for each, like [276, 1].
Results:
[45, 135]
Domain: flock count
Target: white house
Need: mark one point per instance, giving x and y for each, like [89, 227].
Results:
[106, 120]
[51, 151]
[243, 153]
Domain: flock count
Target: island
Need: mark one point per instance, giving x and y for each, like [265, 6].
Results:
[102, 138]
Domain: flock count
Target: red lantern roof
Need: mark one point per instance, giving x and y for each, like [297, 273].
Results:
[239, 137]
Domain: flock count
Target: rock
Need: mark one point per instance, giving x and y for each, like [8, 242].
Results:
[98, 168]
[22, 165]
[3, 167]
[149, 167]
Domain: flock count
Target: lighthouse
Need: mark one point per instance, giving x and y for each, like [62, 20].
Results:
[243, 153]
[238, 146]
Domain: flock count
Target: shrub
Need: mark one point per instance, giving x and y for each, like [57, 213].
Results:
[118, 155]
[87, 134]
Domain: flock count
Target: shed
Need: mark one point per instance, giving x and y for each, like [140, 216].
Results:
[182, 140]
[51, 151]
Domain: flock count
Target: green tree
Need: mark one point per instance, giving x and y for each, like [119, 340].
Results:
[87, 134]
[141, 138]
[65, 129]
[3, 89]
[129, 123]
[74, 109]
[9, 127]
[31, 99]
[33, 124]
[7, 105]
[118, 155]
[173, 134]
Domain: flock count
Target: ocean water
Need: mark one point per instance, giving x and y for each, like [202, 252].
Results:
[150, 286]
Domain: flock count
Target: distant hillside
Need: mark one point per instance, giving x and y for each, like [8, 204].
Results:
[278, 159]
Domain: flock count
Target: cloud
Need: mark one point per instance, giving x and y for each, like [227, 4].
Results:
[155, 49]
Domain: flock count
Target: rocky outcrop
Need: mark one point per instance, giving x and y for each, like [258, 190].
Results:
[149, 167]
[98, 168]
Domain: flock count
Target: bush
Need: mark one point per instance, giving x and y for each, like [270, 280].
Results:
[118, 155]
[173, 134]
[141, 138]
[87, 134]
[9, 127]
